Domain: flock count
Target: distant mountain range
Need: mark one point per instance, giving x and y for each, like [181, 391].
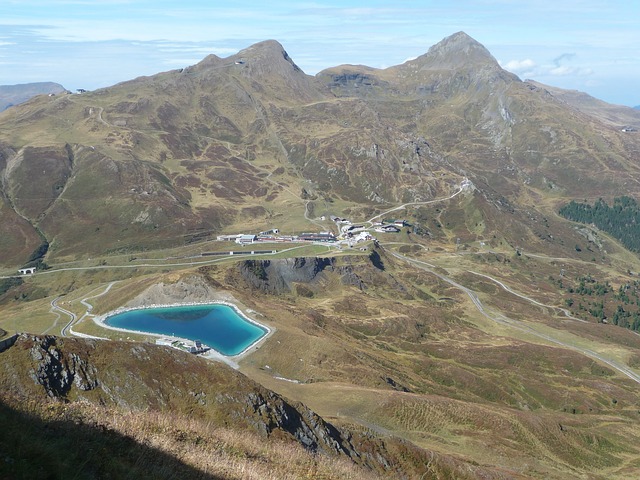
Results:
[251, 138]
[16, 94]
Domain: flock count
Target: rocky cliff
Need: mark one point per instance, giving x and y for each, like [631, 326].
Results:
[301, 274]
[81, 380]
[279, 276]
[141, 376]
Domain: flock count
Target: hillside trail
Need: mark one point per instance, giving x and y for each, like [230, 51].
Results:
[528, 299]
[464, 185]
[504, 320]
[68, 328]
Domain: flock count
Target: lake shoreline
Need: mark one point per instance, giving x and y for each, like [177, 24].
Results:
[213, 354]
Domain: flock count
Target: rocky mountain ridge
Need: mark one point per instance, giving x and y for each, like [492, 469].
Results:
[70, 369]
[186, 153]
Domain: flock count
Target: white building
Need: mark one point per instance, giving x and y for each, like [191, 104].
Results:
[246, 239]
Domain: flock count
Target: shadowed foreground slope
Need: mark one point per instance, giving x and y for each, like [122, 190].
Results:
[166, 414]
[69, 441]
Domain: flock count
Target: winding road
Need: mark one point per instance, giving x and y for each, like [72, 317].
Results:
[503, 320]
[54, 306]
[566, 312]
[463, 186]
[473, 296]
[68, 328]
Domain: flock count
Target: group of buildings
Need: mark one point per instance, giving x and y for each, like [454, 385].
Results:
[247, 239]
[349, 232]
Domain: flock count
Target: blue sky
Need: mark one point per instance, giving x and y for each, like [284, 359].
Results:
[588, 45]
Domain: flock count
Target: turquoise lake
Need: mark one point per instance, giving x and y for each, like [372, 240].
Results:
[218, 326]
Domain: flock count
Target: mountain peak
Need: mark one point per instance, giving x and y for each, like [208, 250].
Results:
[456, 51]
[269, 51]
[269, 64]
[265, 45]
[460, 39]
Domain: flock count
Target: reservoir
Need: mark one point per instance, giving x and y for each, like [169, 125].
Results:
[221, 327]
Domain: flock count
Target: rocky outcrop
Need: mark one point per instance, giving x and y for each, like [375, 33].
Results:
[278, 276]
[6, 342]
[359, 82]
[284, 275]
[65, 368]
[269, 413]
[141, 376]
[348, 276]
[56, 371]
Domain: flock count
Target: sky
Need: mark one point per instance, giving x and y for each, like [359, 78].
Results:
[587, 45]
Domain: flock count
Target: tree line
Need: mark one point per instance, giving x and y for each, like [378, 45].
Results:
[621, 220]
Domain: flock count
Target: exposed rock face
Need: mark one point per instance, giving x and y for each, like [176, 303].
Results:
[344, 79]
[283, 275]
[376, 260]
[278, 276]
[56, 371]
[268, 412]
[349, 277]
[148, 376]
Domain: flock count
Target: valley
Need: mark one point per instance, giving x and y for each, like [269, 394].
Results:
[540, 322]
[455, 326]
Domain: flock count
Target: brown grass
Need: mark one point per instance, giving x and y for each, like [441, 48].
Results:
[161, 442]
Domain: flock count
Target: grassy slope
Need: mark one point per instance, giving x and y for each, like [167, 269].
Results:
[542, 387]
[158, 412]
[409, 328]
[119, 443]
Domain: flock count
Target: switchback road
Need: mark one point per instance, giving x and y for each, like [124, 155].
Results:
[503, 320]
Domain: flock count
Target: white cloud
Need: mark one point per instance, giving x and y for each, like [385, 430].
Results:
[524, 68]
[575, 71]
[561, 68]
[519, 67]
[558, 67]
